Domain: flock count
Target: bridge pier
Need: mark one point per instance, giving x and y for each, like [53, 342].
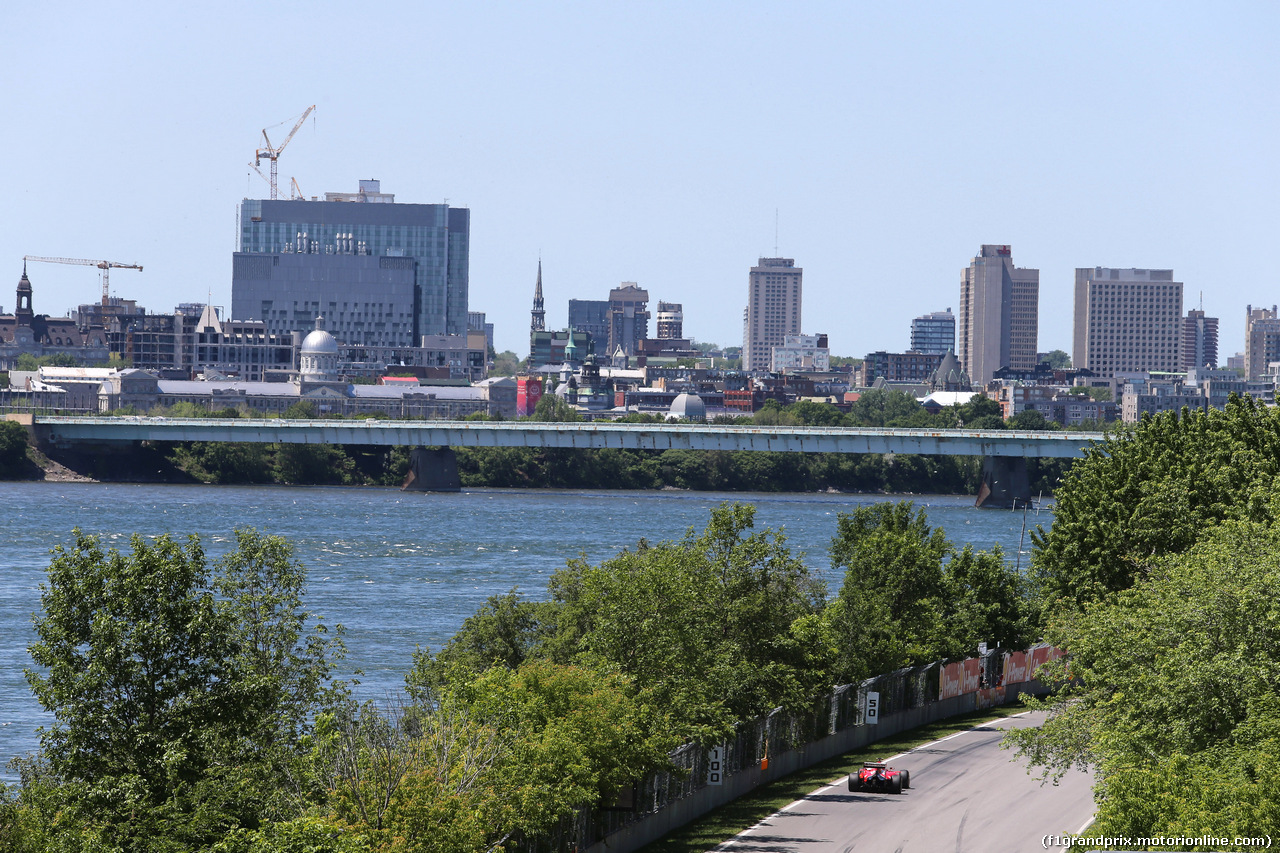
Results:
[432, 469]
[1004, 481]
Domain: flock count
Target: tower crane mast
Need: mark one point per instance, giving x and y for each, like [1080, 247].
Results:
[272, 153]
[105, 266]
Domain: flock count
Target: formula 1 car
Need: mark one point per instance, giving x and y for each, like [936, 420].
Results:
[878, 776]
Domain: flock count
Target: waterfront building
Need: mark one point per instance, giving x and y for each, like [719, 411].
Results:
[1261, 341]
[1127, 320]
[383, 273]
[774, 302]
[1199, 340]
[934, 332]
[999, 314]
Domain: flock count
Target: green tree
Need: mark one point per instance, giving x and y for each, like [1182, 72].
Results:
[13, 449]
[1152, 489]
[1174, 691]
[882, 407]
[890, 606]
[505, 363]
[573, 736]
[1058, 359]
[1030, 419]
[709, 626]
[177, 692]
[554, 409]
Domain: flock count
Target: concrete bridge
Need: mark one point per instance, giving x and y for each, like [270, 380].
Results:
[1005, 451]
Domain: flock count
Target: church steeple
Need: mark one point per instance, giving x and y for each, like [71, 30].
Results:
[22, 311]
[539, 314]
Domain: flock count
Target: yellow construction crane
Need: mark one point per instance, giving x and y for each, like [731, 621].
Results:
[272, 153]
[105, 266]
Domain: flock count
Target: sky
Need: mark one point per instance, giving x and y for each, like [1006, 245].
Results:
[669, 144]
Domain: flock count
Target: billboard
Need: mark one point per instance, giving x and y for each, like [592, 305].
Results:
[528, 393]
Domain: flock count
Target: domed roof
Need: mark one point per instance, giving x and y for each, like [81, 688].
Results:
[319, 342]
[688, 406]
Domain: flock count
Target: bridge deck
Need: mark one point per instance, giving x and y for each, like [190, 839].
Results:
[683, 436]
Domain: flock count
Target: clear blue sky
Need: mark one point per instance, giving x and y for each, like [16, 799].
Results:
[653, 142]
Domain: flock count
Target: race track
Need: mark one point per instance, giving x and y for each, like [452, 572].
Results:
[967, 795]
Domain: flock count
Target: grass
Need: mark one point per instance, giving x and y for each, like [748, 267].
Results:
[723, 823]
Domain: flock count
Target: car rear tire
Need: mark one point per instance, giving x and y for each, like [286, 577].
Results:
[895, 784]
[855, 783]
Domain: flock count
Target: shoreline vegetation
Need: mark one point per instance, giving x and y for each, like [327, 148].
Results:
[744, 471]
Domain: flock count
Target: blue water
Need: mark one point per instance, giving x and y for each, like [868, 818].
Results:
[398, 570]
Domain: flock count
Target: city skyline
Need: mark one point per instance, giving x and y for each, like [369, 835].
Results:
[651, 144]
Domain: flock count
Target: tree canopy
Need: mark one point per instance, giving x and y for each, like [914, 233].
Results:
[178, 690]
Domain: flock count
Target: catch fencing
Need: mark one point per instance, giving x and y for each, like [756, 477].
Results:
[778, 744]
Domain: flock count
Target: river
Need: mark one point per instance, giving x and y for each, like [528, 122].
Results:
[399, 569]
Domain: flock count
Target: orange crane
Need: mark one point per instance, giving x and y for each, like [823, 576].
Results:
[105, 266]
[272, 153]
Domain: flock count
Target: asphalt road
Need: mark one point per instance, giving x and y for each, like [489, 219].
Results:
[967, 795]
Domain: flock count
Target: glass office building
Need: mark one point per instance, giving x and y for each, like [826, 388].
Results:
[433, 239]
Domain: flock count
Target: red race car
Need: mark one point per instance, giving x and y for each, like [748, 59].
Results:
[878, 776]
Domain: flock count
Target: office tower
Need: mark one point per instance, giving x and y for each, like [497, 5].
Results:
[1261, 341]
[381, 273]
[1127, 320]
[670, 321]
[934, 333]
[628, 317]
[774, 288]
[1199, 340]
[999, 315]
[591, 316]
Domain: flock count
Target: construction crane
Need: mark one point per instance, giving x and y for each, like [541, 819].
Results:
[105, 266]
[272, 153]
[295, 191]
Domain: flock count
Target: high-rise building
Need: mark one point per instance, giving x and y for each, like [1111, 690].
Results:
[591, 316]
[1261, 340]
[934, 332]
[1199, 340]
[628, 317]
[999, 315]
[670, 321]
[1127, 320]
[774, 290]
[381, 273]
